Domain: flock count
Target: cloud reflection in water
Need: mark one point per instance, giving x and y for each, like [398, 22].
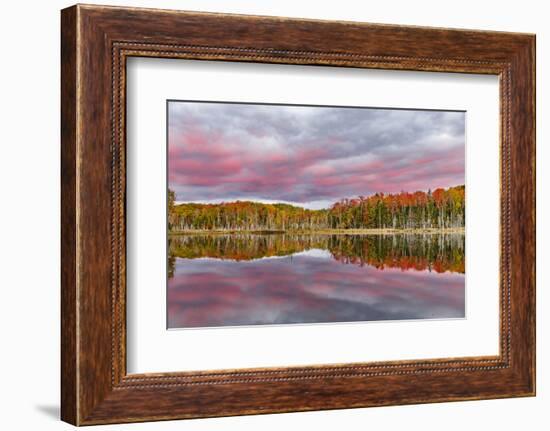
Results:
[305, 287]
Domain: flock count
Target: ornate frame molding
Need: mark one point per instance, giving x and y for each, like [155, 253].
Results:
[96, 41]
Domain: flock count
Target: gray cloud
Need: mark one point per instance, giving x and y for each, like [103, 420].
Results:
[304, 154]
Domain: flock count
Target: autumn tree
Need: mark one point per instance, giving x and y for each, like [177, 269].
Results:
[440, 209]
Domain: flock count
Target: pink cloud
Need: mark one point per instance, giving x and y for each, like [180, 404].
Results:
[195, 167]
[231, 159]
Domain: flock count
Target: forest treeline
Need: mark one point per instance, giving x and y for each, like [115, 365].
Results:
[440, 209]
[439, 253]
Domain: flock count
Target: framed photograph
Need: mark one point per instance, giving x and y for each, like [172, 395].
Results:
[263, 214]
[264, 236]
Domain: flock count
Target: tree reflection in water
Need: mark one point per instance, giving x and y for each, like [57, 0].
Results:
[433, 252]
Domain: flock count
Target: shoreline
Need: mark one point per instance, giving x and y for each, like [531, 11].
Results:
[382, 231]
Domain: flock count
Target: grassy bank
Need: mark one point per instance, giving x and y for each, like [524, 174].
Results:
[431, 231]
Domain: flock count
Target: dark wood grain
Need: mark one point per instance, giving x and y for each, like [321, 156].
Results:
[96, 41]
[69, 397]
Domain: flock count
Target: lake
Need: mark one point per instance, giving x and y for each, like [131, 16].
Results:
[237, 279]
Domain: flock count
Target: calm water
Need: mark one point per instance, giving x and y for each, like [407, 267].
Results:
[257, 279]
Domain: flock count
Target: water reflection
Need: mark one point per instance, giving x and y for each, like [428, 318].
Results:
[254, 279]
[438, 253]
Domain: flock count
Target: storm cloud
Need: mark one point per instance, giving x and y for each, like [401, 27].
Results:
[310, 156]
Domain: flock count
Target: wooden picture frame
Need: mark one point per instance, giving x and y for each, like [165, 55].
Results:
[95, 43]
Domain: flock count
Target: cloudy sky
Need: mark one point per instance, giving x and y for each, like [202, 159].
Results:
[310, 156]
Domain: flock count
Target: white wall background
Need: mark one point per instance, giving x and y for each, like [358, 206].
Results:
[29, 215]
